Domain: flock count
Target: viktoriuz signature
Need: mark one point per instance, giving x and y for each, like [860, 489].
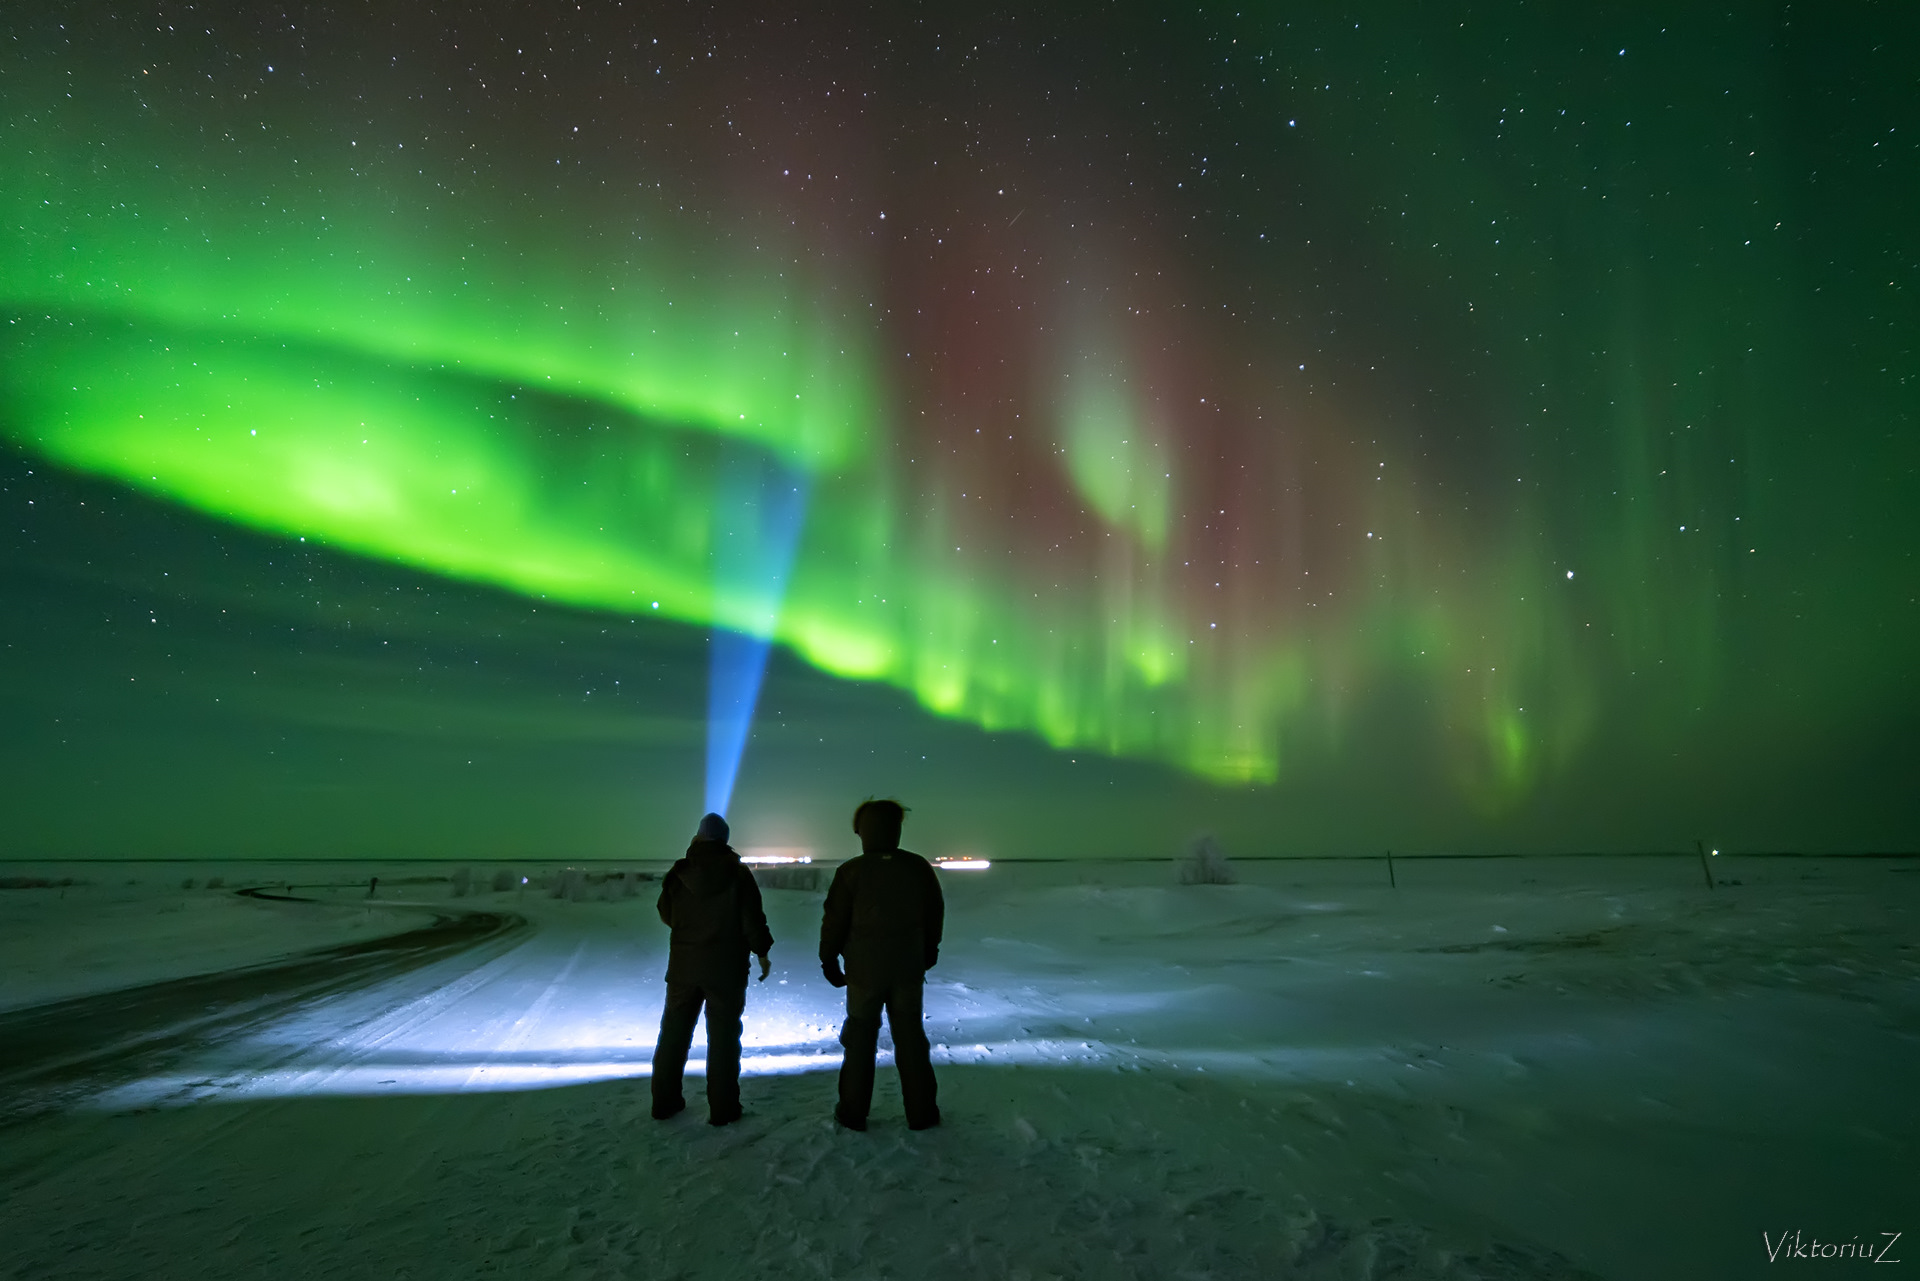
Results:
[1792, 1247]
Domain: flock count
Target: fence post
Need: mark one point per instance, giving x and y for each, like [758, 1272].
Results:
[1392, 882]
[1706, 869]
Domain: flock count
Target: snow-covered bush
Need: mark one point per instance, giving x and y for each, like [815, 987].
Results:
[1205, 863]
[502, 881]
[462, 879]
[787, 878]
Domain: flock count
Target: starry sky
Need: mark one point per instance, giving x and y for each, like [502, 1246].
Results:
[1489, 429]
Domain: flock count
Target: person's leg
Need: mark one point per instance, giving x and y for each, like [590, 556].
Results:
[912, 1055]
[724, 1006]
[860, 1036]
[670, 1049]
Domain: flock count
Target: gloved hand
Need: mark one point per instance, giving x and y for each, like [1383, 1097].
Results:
[832, 970]
[766, 967]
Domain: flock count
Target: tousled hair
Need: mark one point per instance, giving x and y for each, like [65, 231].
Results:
[887, 811]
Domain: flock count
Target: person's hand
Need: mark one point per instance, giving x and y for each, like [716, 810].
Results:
[832, 970]
[766, 967]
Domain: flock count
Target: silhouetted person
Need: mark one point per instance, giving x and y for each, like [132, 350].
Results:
[884, 914]
[712, 903]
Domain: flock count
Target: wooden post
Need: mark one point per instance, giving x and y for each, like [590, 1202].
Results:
[1706, 868]
[1391, 882]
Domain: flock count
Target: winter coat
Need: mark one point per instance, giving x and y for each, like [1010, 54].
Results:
[712, 904]
[885, 914]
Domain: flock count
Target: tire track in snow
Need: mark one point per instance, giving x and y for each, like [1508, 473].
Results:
[54, 1055]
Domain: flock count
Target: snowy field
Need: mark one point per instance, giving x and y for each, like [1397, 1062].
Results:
[1502, 1068]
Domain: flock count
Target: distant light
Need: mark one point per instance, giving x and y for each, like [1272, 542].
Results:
[776, 855]
[1569, 573]
[1716, 852]
[962, 864]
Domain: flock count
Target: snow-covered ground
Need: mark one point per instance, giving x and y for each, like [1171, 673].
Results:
[1502, 1068]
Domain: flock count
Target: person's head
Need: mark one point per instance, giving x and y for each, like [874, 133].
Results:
[878, 824]
[713, 828]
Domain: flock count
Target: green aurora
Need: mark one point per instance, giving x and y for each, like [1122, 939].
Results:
[1177, 391]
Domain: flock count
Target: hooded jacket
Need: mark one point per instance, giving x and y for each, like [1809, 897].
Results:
[712, 904]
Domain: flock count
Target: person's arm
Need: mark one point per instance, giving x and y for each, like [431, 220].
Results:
[935, 915]
[836, 922]
[665, 904]
[753, 922]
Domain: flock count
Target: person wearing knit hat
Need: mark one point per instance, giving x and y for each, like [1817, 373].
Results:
[712, 904]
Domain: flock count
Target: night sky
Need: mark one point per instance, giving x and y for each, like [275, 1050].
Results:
[1480, 429]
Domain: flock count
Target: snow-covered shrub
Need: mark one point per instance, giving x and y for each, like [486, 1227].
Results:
[502, 881]
[1205, 863]
[787, 878]
[462, 879]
